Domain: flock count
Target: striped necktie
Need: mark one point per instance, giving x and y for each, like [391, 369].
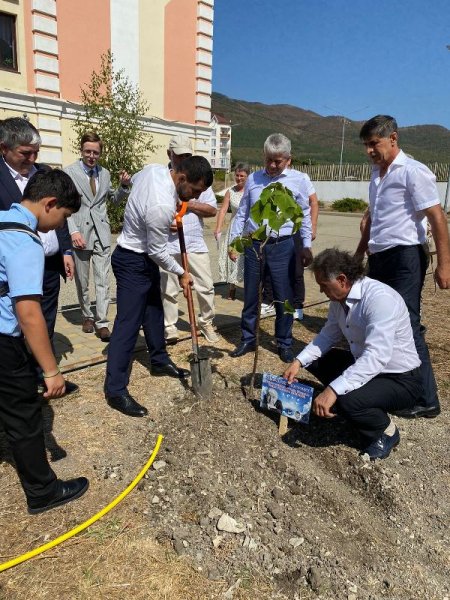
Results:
[92, 181]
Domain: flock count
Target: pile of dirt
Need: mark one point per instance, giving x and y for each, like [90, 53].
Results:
[254, 515]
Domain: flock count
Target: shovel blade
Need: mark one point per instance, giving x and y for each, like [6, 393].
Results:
[201, 375]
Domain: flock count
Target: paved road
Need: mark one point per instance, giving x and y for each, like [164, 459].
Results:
[76, 349]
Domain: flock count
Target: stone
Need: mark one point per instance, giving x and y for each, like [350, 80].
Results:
[275, 510]
[296, 541]
[159, 464]
[214, 513]
[230, 525]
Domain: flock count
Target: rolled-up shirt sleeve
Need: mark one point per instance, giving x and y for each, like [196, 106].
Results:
[307, 190]
[158, 219]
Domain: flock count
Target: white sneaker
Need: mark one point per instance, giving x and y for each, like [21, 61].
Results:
[298, 314]
[171, 336]
[208, 332]
[267, 310]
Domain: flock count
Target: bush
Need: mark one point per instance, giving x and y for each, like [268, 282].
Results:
[349, 205]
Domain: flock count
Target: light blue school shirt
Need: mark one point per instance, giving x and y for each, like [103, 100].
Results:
[21, 266]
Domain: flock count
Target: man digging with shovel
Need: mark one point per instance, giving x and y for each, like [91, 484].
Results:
[141, 250]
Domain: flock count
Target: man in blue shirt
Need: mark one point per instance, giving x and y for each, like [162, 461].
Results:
[49, 198]
[279, 253]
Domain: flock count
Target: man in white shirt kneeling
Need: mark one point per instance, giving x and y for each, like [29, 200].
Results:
[380, 372]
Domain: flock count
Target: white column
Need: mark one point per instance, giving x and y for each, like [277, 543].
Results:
[125, 37]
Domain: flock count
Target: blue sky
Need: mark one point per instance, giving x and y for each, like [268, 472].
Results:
[337, 57]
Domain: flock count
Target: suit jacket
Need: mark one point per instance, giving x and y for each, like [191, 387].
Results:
[92, 218]
[10, 193]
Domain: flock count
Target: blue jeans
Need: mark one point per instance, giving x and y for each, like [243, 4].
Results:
[279, 263]
[403, 268]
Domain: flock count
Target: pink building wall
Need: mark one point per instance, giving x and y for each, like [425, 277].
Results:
[83, 36]
[180, 49]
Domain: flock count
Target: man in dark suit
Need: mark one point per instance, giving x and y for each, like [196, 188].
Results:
[19, 145]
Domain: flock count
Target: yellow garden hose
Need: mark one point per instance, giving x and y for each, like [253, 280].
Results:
[79, 528]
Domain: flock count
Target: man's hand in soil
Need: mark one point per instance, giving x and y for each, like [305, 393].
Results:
[323, 403]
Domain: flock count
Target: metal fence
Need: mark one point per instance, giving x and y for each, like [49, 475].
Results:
[348, 172]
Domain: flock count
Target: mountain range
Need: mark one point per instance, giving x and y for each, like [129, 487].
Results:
[317, 139]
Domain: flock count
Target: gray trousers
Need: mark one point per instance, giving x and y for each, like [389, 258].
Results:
[101, 262]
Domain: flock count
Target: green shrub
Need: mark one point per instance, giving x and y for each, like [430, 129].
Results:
[219, 175]
[349, 205]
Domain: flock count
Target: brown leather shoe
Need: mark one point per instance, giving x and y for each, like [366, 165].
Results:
[104, 334]
[88, 325]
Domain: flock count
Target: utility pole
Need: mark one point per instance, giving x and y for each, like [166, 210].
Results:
[447, 191]
[342, 148]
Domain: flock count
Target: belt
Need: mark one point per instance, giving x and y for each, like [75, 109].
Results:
[276, 240]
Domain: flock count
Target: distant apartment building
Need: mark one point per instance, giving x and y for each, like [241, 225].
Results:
[220, 157]
[49, 48]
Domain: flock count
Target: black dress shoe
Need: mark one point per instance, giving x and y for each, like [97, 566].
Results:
[285, 354]
[381, 448]
[68, 490]
[170, 370]
[242, 349]
[71, 387]
[429, 412]
[127, 405]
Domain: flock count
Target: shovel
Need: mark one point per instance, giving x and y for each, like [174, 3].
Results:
[200, 367]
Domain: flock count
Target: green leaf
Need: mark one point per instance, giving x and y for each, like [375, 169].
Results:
[288, 308]
[260, 234]
[240, 243]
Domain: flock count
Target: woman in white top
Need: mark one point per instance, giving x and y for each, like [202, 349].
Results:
[229, 271]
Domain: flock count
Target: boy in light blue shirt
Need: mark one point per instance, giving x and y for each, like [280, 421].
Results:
[49, 198]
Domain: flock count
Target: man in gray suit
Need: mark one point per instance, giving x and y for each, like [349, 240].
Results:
[90, 231]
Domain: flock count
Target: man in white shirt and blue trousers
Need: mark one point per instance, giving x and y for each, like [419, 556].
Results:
[279, 252]
[379, 374]
[141, 250]
[403, 196]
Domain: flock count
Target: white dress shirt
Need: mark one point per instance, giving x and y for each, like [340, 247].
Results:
[396, 202]
[301, 187]
[192, 228]
[378, 330]
[148, 215]
[49, 239]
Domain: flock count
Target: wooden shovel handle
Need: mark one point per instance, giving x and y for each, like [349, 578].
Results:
[185, 264]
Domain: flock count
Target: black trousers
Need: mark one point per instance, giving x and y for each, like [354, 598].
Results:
[20, 412]
[367, 407]
[51, 286]
[403, 268]
[138, 304]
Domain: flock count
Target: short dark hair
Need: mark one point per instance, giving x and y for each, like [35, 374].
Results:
[242, 167]
[17, 131]
[196, 168]
[91, 136]
[331, 262]
[380, 125]
[53, 183]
